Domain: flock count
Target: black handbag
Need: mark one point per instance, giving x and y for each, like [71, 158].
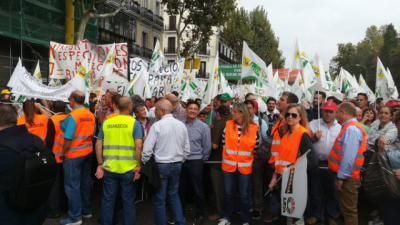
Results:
[151, 173]
[379, 180]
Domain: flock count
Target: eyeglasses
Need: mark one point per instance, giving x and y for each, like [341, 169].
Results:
[293, 115]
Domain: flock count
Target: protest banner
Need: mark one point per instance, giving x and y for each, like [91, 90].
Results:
[24, 84]
[294, 189]
[65, 60]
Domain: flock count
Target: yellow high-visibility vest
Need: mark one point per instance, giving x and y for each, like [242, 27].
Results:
[119, 144]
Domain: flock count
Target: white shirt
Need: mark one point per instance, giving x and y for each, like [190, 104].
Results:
[328, 137]
[169, 141]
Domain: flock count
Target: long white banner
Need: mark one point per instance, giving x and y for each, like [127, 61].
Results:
[65, 60]
[23, 83]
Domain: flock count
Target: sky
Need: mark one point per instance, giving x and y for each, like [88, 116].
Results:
[320, 25]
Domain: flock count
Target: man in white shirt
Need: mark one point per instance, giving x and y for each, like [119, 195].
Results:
[323, 202]
[168, 140]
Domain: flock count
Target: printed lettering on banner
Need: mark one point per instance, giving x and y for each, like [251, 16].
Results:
[294, 189]
[64, 60]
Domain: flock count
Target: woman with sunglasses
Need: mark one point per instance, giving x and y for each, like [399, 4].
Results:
[296, 141]
[240, 138]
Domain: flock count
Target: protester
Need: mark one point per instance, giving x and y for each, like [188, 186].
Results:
[141, 116]
[114, 106]
[362, 101]
[118, 151]
[177, 110]
[78, 131]
[223, 114]
[106, 106]
[259, 165]
[18, 138]
[394, 105]
[36, 123]
[240, 139]
[294, 142]
[226, 100]
[192, 169]
[324, 206]
[383, 130]
[57, 191]
[272, 114]
[368, 117]
[318, 101]
[168, 141]
[346, 159]
[5, 95]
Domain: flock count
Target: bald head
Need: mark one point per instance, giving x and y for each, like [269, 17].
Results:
[125, 105]
[78, 97]
[164, 105]
[172, 99]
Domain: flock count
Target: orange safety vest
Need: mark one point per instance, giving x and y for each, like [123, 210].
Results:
[58, 136]
[336, 154]
[276, 141]
[39, 126]
[289, 149]
[81, 144]
[239, 153]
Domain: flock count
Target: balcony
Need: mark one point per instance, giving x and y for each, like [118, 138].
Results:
[140, 51]
[204, 52]
[171, 50]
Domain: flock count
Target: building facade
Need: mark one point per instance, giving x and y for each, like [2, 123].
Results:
[200, 64]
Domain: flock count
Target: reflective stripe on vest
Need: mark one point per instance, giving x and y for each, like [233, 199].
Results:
[289, 149]
[276, 141]
[239, 155]
[81, 144]
[119, 145]
[58, 136]
[336, 153]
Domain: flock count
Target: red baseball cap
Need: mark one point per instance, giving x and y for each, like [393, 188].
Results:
[329, 106]
[393, 104]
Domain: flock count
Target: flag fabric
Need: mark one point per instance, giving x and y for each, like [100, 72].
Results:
[211, 89]
[384, 86]
[156, 58]
[252, 64]
[224, 86]
[37, 73]
[322, 83]
[366, 89]
[299, 60]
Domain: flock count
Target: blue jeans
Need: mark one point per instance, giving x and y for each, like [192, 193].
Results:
[111, 183]
[77, 183]
[170, 175]
[231, 181]
[323, 201]
[192, 183]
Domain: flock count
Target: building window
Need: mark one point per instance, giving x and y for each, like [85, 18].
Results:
[170, 61]
[202, 70]
[154, 42]
[146, 4]
[172, 22]
[158, 7]
[144, 39]
[171, 45]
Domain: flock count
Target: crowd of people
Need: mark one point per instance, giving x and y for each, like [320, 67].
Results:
[222, 158]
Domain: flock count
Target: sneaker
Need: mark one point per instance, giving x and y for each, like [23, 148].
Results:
[246, 224]
[224, 221]
[87, 216]
[256, 214]
[171, 221]
[69, 221]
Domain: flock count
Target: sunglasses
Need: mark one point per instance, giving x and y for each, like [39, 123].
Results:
[293, 115]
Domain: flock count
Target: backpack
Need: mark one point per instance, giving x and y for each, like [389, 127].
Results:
[34, 176]
[378, 179]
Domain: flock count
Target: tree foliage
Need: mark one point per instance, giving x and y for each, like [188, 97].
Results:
[361, 58]
[254, 28]
[196, 19]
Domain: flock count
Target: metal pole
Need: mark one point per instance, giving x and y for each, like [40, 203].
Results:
[20, 31]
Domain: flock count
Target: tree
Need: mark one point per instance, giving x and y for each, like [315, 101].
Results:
[344, 58]
[390, 43]
[89, 11]
[196, 19]
[254, 28]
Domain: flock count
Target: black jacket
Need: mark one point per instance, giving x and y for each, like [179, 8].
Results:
[20, 138]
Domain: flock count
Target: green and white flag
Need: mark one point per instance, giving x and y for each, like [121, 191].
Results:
[211, 89]
[156, 58]
[297, 87]
[278, 84]
[322, 83]
[384, 86]
[366, 89]
[300, 59]
[224, 86]
[252, 64]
